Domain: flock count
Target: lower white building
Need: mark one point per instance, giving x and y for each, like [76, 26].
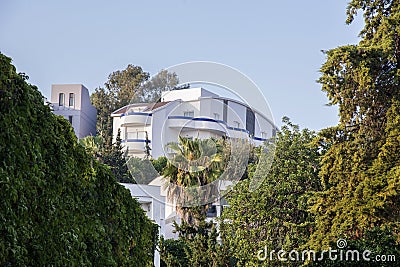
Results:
[162, 211]
[153, 203]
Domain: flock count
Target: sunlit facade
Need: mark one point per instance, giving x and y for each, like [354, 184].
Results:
[192, 113]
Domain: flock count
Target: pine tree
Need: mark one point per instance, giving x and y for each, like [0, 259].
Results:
[116, 160]
[360, 169]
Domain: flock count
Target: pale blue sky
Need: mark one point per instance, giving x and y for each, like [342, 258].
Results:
[276, 43]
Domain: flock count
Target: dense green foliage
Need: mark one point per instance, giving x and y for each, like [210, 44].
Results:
[345, 182]
[197, 245]
[342, 183]
[159, 164]
[114, 157]
[92, 145]
[360, 172]
[378, 241]
[173, 252]
[275, 215]
[59, 206]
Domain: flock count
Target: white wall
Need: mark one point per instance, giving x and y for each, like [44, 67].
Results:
[209, 106]
[84, 114]
[150, 198]
[186, 94]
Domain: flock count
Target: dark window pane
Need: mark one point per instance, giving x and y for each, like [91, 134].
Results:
[61, 99]
[250, 121]
[71, 99]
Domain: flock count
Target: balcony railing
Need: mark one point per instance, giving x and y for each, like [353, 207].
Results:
[135, 145]
[197, 123]
[136, 119]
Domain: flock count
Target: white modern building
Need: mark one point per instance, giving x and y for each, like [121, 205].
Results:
[72, 101]
[192, 113]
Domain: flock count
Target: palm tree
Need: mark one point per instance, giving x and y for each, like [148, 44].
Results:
[195, 165]
[93, 145]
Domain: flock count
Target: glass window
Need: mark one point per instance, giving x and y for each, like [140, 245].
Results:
[61, 99]
[264, 135]
[71, 99]
[250, 121]
[225, 111]
[70, 119]
[216, 116]
[212, 211]
[188, 114]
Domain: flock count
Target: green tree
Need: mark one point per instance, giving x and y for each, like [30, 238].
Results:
[163, 81]
[92, 145]
[195, 163]
[173, 252]
[115, 158]
[125, 86]
[159, 164]
[359, 172]
[58, 206]
[142, 170]
[196, 246]
[275, 215]
[202, 247]
[120, 89]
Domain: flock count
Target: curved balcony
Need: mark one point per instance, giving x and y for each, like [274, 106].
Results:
[189, 123]
[136, 119]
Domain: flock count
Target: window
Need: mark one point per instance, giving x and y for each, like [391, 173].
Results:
[250, 121]
[188, 114]
[61, 99]
[71, 99]
[136, 134]
[212, 211]
[225, 111]
[236, 124]
[264, 135]
[273, 132]
[216, 116]
[70, 119]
